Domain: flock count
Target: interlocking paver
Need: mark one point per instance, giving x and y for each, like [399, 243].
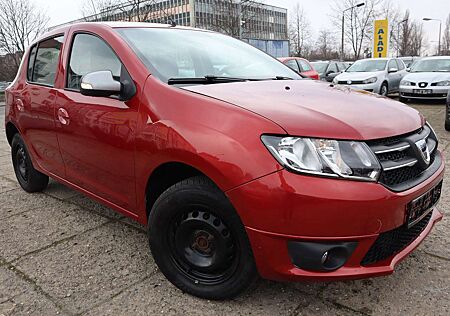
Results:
[92, 267]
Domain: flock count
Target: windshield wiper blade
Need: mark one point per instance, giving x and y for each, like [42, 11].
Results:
[205, 80]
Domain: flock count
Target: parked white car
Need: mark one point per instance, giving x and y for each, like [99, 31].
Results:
[378, 75]
[429, 78]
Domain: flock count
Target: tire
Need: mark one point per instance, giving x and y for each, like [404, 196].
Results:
[199, 242]
[447, 125]
[29, 178]
[384, 89]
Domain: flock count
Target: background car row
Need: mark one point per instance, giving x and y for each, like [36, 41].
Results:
[411, 77]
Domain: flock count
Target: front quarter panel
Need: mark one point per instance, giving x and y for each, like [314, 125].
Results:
[219, 139]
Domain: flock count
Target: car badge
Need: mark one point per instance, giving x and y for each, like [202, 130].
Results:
[424, 150]
[349, 82]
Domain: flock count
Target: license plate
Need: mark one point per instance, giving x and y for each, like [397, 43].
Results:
[424, 91]
[418, 208]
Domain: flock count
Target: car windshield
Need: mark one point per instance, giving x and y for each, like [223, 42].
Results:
[368, 65]
[431, 65]
[319, 67]
[174, 54]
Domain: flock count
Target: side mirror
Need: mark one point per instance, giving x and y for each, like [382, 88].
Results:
[100, 84]
[391, 70]
[408, 69]
[329, 72]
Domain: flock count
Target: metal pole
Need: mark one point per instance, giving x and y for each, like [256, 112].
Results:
[342, 43]
[439, 46]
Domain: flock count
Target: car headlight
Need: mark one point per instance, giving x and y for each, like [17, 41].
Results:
[370, 80]
[405, 83]
[444, 83]
[325, 157]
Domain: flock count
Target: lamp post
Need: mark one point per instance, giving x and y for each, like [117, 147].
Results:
[398, 35]
[343, 25]
[440, 28]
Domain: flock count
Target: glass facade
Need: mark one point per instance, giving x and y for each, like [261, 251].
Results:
[259, 21]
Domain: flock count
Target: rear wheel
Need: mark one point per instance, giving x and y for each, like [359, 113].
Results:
[447, 125]
[29, 178]
[199, 242]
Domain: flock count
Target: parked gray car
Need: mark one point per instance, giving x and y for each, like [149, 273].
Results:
[328, 70]
[378, 75]
[429, 78]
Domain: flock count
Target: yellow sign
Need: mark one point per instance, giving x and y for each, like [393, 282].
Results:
[381, 39]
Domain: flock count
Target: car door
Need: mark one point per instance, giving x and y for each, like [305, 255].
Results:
[394, 77]
[96, 134]
[35, 104]
[332, 71]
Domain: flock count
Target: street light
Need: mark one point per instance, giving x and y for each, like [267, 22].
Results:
[398, 35]
[440, 28]
[343, 25]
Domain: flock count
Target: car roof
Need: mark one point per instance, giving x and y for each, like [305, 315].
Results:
[435, 57]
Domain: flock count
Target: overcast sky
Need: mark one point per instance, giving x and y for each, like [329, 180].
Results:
[318, 11]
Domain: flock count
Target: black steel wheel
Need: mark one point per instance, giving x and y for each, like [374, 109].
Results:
[199, 242]
[29, 178]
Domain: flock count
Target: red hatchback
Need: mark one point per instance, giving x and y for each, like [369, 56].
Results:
[302, 66]
[237, 166]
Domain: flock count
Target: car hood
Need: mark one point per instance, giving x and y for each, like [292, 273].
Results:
[427, 76]
[358, 75]
[316, 109]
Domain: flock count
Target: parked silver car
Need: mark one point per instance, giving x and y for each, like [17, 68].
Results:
[378, 75]
[429, 78]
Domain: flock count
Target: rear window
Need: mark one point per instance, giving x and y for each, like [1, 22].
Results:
[46, 61]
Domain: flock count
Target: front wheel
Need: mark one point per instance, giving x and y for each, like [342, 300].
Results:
[199, 242]
[384, 90]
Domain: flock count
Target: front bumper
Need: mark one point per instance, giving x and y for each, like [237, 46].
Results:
[283, 207]
[436, 92]
[371, 87]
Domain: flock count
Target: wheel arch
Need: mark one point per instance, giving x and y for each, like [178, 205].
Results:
[11, 130]
[166, 175]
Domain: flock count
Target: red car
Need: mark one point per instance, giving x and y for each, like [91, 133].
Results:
[238, 166]
[302, 66]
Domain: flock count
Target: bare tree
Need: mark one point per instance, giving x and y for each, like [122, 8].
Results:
[20, 24]
[138, 10]
[411, 40]
[359, 22]
[97, 10]
[445, 48]
[299, 31]
[326, 47]
[234, 18]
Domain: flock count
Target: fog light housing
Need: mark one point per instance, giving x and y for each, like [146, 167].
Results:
[315, 256]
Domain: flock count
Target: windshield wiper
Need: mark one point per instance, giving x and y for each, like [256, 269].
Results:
[218, 79]
[205, 80]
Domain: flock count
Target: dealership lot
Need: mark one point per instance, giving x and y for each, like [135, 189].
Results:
[62, 253]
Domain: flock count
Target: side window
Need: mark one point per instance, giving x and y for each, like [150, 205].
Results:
[392, 64]
[304, 65]
[89, 54]
[400, 64]
[31, 60]
[342, 67]
[46, 61]
[293, 65]
[333, 67]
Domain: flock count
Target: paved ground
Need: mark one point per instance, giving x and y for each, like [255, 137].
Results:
[61, 253]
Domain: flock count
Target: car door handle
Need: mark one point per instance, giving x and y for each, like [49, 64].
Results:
[63, 116]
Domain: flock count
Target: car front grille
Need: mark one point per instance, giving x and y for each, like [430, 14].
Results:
[352, 82]
[403, 161]
[392, 242]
